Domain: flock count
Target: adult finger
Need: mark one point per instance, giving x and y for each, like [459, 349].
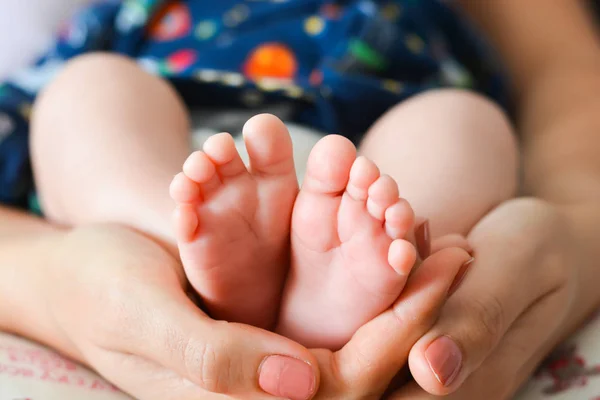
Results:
[378, 350]
[531, 337]
[508, 277]
[451, 240]
[216, 356]
[145, 380]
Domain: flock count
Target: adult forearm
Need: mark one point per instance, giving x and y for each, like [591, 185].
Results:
[27, 246]
[553, 57]
[560, 127]
[552, 52]
[532, 35]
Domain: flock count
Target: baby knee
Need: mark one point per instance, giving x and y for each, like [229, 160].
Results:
[482, 120]
[487, 130]
[76, 80]
[83, 73]
[98, 64]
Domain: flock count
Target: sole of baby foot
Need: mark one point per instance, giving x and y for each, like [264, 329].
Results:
[232, 222]
[350, 260]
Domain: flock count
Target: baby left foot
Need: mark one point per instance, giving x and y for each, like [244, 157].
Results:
[233, 224]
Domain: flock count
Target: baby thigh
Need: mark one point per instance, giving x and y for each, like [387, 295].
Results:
[107, 138]
[453, 153]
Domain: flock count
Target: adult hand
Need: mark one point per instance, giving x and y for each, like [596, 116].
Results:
[364, 368]
[121, 301]
[509, 312]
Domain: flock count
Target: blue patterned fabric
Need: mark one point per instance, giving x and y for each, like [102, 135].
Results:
[340, 64]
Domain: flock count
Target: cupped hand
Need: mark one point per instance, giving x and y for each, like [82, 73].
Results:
[509, 311]
[364, 368]
[121, 302]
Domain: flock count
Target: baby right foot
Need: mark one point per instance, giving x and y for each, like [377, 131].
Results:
[349, 259]
[233, 224]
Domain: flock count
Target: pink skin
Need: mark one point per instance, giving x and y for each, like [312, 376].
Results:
[350, 260]
[349, 257]
[232, 223]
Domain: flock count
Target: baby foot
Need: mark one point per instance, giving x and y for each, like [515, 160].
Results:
[349, 261]
[232, 223]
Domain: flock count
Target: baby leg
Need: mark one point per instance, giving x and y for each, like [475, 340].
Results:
[107, 139]
[453, 154]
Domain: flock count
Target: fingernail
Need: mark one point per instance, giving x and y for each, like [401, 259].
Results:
[445, 359]
[460, 276]
[287, 377]
[423, 239]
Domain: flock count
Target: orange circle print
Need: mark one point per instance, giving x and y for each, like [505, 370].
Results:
[271, 60]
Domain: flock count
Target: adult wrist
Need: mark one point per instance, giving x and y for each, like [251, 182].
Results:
[26, 285]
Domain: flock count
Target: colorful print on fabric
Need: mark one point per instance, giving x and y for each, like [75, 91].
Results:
[331, 11]
[180, 61]
[171, 23]
[134, 14]
[339, 64]
[236, 15]
[271, 60]
[314, 25]
[6, 126]
[567, 369]
[206, 30]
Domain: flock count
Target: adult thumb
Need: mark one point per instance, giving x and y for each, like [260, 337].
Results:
[222, 357]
